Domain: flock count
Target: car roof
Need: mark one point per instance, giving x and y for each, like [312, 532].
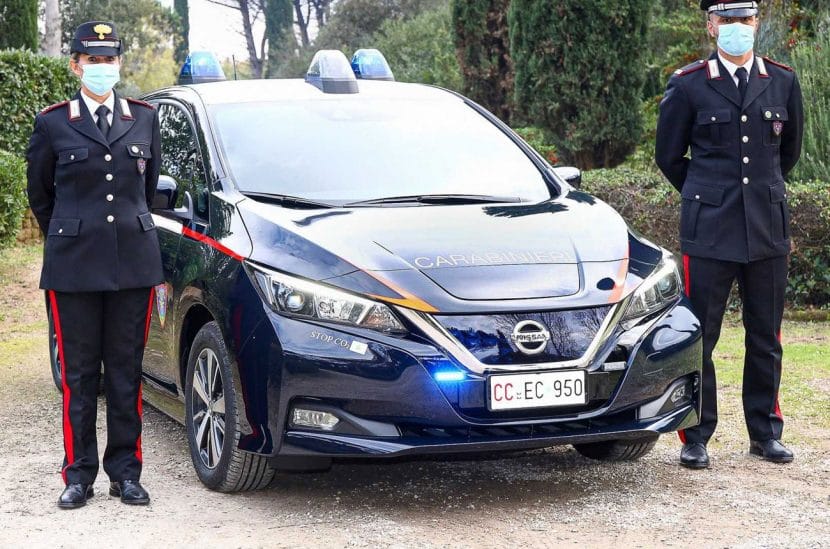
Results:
[245, 91]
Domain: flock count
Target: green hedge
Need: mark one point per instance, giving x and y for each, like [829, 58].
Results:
[28, 83]
[12, 196]
[652, 206]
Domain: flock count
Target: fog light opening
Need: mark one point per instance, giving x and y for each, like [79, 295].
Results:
[315, 419]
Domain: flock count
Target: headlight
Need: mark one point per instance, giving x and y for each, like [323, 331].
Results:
[301, 298]
[657, 292]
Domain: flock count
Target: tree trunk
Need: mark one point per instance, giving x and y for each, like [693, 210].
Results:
[51, 44]
[256, 61]
[301, 22]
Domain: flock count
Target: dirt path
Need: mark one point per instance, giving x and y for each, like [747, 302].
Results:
[549, 498]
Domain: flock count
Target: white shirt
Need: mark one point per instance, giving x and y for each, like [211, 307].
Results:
[92, 105]
[732, 67]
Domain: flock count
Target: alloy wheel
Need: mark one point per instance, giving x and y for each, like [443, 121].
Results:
[208, 409]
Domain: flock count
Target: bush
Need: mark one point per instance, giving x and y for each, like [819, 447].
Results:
[18, 24]
[28, 83]
[420, 49]
[12, 196]
[576, 66]
[652, 206]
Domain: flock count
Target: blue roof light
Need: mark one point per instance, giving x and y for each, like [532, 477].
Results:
[331, 73]
[199, 67]
[370, 64]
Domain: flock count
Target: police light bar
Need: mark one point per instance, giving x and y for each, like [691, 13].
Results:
[330, 72]
[200, 67]
[370, 64]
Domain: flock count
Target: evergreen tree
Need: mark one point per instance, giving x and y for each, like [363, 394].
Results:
[182, 42]
[18, 24]
[483, 49]
[279, 31]
[579, 74]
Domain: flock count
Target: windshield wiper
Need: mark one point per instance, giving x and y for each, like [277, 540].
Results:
[287, 200]
[436, 199]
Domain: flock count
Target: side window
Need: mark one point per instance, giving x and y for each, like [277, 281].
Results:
[180, 158]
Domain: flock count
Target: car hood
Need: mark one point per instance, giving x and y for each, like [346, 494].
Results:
[483, 253]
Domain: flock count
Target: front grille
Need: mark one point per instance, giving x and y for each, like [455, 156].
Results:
[490, 337]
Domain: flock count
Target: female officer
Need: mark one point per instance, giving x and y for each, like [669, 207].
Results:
[93, 165]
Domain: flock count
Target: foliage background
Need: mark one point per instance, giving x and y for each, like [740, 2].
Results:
[12, 196]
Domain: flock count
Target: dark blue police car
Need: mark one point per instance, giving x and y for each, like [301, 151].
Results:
[365, 268]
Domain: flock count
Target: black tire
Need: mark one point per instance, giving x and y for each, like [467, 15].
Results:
[54, 356]
[616, 450]
[212, 420]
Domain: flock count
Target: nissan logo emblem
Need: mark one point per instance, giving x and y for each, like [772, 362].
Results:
[530, 337]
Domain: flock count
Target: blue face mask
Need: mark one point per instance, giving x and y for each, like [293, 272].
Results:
[99, 78]
[736, 38]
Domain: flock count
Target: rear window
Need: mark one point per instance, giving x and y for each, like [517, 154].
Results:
[343, 150]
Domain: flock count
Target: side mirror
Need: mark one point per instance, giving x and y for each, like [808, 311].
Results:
[167, 193]
[571, 175]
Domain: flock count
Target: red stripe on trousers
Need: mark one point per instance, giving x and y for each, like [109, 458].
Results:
[139, 405]
[67, 394]
[686, 279]
[777, 406]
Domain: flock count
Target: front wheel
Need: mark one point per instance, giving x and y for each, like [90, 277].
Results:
[212, 419]
[617, 450]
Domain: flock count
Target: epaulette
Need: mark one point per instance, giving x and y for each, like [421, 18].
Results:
[53, 107]
[690, 68]
[140, 102]
[777, 64]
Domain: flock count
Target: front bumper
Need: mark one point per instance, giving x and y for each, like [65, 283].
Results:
[383, 390]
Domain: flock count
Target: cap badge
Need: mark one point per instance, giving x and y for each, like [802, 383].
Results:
[101, 30]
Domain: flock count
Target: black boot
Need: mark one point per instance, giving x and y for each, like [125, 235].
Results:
[75, 495]
[694, 456]
[771, 450]
[130, 492]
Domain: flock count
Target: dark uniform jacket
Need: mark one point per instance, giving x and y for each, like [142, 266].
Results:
[734, 200]
[91, 196]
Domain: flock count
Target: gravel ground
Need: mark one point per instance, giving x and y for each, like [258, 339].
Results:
[547, 498]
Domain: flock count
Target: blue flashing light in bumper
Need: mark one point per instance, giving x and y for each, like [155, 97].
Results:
[199, 67]
[370, 64]
[449, 375]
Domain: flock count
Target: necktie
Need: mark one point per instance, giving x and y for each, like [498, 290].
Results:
[103, 123]
[742, 82]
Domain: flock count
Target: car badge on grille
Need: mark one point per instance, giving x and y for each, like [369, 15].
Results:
[530, 337]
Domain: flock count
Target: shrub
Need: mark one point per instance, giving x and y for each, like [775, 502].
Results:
[28, 83]
[420, 49]
[651, 206]
[12, 196]
[18, 24]
[576, 64]
[482, 46]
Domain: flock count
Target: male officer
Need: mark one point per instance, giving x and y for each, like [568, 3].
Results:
[93, 165]
[741, 115]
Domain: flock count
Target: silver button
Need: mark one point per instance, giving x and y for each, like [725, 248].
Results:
[697, 197]
[768, 114]
[60, 231]
[109, 177]
[714, 118]
[746, 181]
[110, 219]
[744, 118]
[745, 139]
[109, 198]
[777, 115]
[71, 157]
[107, 157]
[134, 149]
[746, 160]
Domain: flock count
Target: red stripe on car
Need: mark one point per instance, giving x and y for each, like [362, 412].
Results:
[211, 242]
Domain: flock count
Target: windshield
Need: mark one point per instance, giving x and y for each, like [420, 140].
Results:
[348, 150]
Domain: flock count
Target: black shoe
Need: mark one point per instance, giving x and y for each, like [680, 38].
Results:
[771, 450]
[75, 495]
[694, 456]
[130, 492]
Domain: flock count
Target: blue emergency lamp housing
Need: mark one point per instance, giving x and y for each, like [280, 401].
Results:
[200, 67]
[330, 72]
[370, 64]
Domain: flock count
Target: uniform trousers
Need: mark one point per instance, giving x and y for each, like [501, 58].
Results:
[94, 328]
[761, 285]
